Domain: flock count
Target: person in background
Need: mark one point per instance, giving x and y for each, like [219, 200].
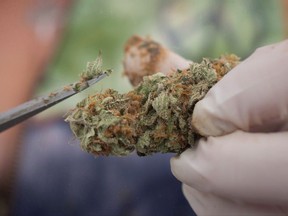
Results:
[30, 32]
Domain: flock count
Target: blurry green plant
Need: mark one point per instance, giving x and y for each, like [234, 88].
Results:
[210, 28]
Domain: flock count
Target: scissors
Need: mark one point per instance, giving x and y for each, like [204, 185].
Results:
[28, 109]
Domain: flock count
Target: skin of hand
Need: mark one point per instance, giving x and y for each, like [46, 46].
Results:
[240, 168]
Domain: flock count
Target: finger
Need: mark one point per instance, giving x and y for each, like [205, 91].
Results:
[209, 204]
[251, 97]
[241, 166]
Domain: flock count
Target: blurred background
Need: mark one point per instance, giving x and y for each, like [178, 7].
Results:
[45, 44]
[194, 29]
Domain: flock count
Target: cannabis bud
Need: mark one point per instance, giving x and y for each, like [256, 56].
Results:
[93, 70]
[154, 117]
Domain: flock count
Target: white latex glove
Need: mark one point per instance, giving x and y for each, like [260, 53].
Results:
[242, 167]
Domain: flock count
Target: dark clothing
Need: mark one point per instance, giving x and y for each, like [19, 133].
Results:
[57, 178]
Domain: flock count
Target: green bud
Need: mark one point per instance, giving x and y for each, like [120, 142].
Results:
[154, 117]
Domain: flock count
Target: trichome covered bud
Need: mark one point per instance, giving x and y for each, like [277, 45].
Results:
[154, 117]
[93, 70]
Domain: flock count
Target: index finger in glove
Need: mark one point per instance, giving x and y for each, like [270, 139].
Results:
[251, 97]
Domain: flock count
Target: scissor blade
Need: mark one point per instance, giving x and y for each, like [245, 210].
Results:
[37, 105]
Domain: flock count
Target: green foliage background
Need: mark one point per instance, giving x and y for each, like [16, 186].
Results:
[192, 28]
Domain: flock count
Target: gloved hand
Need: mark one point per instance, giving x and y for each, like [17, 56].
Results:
[241, 168]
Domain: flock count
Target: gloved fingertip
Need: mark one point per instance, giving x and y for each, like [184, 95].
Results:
[180, 164]
[187, 191]
[175, 164]
[208, 120]
[202, 120]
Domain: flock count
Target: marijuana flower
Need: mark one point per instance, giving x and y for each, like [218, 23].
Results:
[154, 117]
[93, 70]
